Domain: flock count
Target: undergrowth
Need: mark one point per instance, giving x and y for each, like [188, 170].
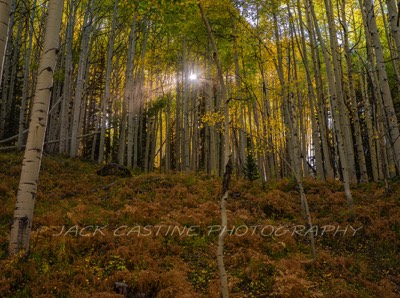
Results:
[158, 233]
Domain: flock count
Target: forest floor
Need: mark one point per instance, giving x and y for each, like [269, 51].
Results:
[158, 234]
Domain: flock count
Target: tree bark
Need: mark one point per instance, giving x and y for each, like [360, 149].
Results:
[5, 7]
[79, 104]
[129, 92]
[336, 119]
[320, 173]
[388, 106]
[22, 114]
[393, 11]
[23, 214]
[5, 62]
[105, 103]
[65, 109]
[227, 161]
[353, 101]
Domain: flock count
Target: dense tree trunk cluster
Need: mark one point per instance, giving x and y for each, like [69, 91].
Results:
[312, 84]
[304, 86]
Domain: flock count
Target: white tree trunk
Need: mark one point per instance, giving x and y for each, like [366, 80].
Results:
[22, 113]
[5, 61]
[393, 12]
[388, 106]
[227, 164]
[334, 105]
[23, 214]
[354, 105]
[5, 7]
[64, 117]
[80, 82]
[129, 91]
[105, 103]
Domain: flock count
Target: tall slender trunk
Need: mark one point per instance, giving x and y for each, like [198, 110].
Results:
[335, 110]
[393, 11]
[129, 92]
[370, 128]
[22, 114]
[79, 104]
[9, 93]
[139, 103]
[168, 135]
[5, 62]
[388, 107]
[320, 173]
[105, 103]
[5, 8]
[23, 213]
[353, 101]
[343, 118]
[66, 100]
[320, 102]
[186, 145]
[226, 161]
[178, 125]
[242, 132]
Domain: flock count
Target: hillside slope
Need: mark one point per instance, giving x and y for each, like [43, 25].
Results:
[157, 233]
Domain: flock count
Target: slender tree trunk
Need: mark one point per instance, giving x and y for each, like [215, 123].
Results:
[8, 97]
[227, 162]
[388, 106]
[105, 103]
[5, 62]
[334, 105]
[186, 145]
[168, 136]
[394, 58]
[343, 118]
[79, 103]
[139, 99]
[66, 100]
[242, 132]
[178, 124]
[320, 103]
[23, 214]
[129, 92]
[22, 114]
[380, 134]
[370, 130]
[393, 11]
[5, 8]
[320, 173]
[353, 101]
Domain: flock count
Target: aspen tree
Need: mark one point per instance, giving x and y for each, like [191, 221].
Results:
[320, 103]
[79, 104]
[105, 103]
[388, 107]
[226, 161]
[353, 101]
[67, 86]
[126, 113]
[320, 173]
[5, 58]
[334, 105]
[186, 145]
[26, 196]
[129, 98]
[22, 113]
[338, 95]
[393, 12]
[370, 129]
[5, 7]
